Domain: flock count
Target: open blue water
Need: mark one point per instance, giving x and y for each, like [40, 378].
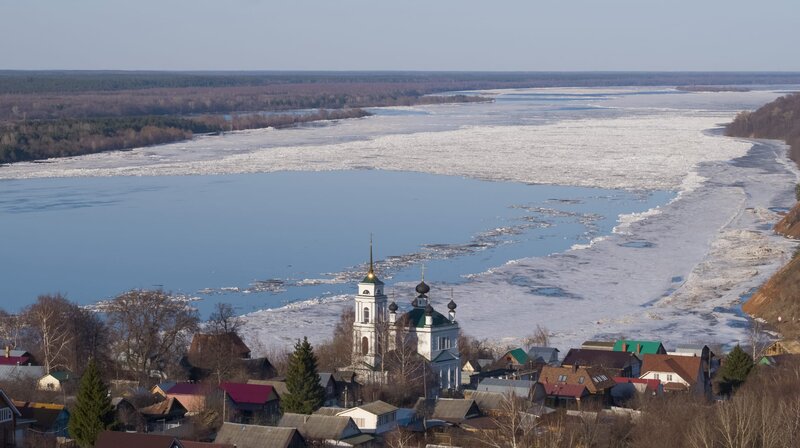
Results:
[263, 240]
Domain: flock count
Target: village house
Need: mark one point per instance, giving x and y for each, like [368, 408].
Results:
[543, 355]
[785, 347]
[520, 388]
[565, 395]
[210, 351]
[55, 381]
[676, 373]
[13, 357]
[162, 416]
[451, 410]
[625, 363]
[377, 417]
[640, 348]
[253, 436]
[45, 418]
[192, 396]
[629, 388]
[8, 421]
[597, 380]
[331, 430]
[251, 403]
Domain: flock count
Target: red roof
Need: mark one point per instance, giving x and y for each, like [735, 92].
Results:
[650, 385]
[565, 390]
[248, 393]
[186, 389]
[14, 360]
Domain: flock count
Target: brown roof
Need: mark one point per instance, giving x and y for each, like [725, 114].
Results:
[218, 344]
[687, 367]
[253, 436]
[169, 406]
[601, 358]
[596, 379]
[279, 386]
[113, 439]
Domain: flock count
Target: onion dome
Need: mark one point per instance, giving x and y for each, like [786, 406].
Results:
[392, 307]
[452, 305]
[423, 288]
[429, 310]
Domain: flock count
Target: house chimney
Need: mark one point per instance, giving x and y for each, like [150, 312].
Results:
[638, 348]
[624, 346]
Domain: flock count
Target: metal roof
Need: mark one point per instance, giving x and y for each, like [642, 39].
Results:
[253, 436]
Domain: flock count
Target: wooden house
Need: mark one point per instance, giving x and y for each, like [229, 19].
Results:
[8, 421]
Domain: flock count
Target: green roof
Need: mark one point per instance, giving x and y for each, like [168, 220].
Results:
[519, 355]
[417, 318]
[61, 376]
[372, 278]
[644, 347]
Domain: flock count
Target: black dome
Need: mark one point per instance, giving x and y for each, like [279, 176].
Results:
[423, 288]
[393, 307]
[429, 310]
[452, 305]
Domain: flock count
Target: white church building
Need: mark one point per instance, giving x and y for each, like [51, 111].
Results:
[435, 334]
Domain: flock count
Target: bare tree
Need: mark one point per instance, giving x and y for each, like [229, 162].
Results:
[401, 438]
[337, 352]
[49, 320]
[514, 426]
[539, 338]
[409, 373]
[224, 319]
[11, 329]
[150, 329]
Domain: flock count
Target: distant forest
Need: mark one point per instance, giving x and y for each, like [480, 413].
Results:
[779, 119]
[47, 114]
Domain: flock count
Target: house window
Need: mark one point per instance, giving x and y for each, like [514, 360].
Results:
[655, 376]
[5, 415]
[366, 315]
[359, 422]
[669, 377]
[562, 378]
[580, 380]
[364, 346]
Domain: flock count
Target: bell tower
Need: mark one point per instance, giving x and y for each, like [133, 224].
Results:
[370, 317]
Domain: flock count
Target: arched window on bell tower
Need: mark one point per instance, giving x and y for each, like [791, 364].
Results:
[366, 315]
[364, 346]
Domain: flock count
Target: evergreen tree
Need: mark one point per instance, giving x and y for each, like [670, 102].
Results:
[734, 371]
[302, 380]
[92, 412]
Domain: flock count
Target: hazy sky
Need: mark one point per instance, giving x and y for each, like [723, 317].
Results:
[400, 34]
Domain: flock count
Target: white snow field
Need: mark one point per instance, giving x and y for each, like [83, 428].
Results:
[675, 273]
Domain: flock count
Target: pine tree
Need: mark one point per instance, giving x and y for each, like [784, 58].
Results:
[92, 412]
[737, 366]
[302, 380]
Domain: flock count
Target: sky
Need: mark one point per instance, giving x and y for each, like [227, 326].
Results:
[499, 35]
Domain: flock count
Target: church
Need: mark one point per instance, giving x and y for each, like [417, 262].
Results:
[435, 335]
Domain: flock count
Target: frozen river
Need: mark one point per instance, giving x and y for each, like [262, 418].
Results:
[288, 214]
